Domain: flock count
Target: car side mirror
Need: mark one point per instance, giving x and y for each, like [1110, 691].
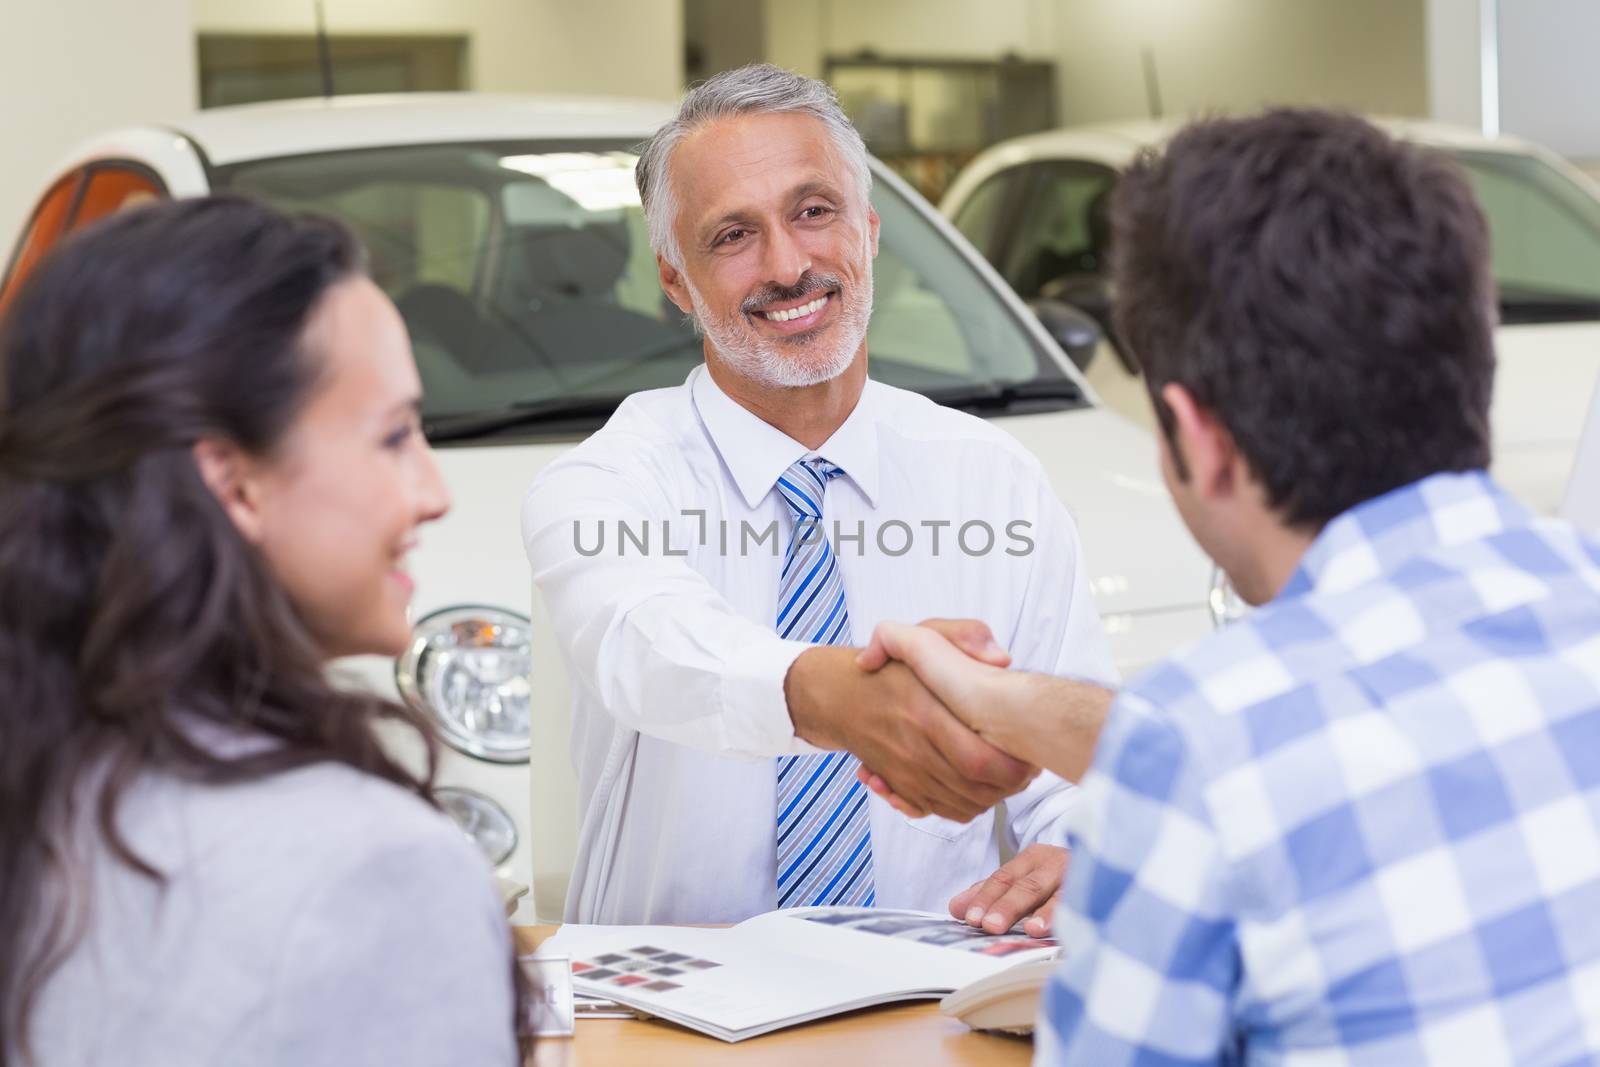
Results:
[1075, 331]
[1091, 293]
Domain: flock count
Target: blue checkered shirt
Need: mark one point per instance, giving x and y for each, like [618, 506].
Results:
[1361, 826]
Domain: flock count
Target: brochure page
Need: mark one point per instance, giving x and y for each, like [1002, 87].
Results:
[785, 967]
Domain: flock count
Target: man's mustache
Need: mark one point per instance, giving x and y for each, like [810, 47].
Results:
[781, 294]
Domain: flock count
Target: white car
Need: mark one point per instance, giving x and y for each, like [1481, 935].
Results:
[508, 231]
[1035, 207]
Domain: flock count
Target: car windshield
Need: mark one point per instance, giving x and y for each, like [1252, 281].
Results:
[1544, 233]
[525, 276]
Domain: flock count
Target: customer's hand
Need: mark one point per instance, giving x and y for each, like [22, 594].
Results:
[954, 658]
[1040, 719]
[1024, 888]
[943, 653]
[972, 637]
[890, 721]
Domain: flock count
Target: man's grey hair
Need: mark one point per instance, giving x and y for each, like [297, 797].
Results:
[758, 89]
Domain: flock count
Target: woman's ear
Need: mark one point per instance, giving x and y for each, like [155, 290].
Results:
[1207, 447]
[230, 475]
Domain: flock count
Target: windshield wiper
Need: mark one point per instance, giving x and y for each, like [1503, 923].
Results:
[994, 397]
[1526, 307]
[518, 416]
[988, 399]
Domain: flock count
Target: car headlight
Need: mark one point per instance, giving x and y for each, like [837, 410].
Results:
[468, 668]
[1225, 603]
[484, 822]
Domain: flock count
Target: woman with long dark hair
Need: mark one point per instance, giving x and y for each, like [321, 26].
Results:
[211, 469]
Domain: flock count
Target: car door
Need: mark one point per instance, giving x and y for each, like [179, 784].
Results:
[81, 196]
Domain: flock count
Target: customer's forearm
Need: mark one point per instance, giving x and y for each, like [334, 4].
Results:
[1046, 721]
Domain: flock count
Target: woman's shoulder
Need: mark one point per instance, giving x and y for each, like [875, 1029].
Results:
[311, 824]
[316, 914]
[266, 848]
[394, 945]
[334, 801]
[326, 807]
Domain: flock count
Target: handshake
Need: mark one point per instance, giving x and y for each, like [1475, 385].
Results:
[940, 726]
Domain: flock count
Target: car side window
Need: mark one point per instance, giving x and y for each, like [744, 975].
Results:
[1544, 233]
[85, 195]
[979, 217]
[1062, 228]
[114, 187]
[44, 229]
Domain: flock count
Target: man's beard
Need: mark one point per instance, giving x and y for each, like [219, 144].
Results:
[790, 363]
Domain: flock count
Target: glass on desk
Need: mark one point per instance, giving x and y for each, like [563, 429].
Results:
[550, 1007]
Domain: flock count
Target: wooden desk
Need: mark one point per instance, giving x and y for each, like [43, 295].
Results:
[912, 1034]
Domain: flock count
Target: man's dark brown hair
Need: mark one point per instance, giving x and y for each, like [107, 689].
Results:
[1324, 290]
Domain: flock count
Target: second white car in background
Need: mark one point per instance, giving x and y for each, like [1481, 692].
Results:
[1036, 208]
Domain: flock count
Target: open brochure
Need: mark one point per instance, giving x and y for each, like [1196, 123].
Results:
[785, 967]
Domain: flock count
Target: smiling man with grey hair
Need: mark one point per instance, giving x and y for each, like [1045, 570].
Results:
[802, 358]
[719, 717]
[750, 90]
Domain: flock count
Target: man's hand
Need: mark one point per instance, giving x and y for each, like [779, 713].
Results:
[889, 720]
[944, 654]
[1046, 721]
[1026, 886]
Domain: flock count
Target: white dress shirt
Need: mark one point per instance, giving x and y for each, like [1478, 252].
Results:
[677, 672]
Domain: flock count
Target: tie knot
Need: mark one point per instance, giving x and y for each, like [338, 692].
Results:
[803, 484]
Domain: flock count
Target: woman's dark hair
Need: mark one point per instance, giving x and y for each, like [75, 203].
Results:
[130, 608]
[1320, 287]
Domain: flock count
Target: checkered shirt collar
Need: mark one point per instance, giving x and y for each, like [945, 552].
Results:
[1377, 536]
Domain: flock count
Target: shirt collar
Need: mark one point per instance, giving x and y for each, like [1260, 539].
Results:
[756, 452]
[1377, 536]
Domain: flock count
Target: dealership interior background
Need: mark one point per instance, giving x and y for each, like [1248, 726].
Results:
[75, 67]
[930, 83]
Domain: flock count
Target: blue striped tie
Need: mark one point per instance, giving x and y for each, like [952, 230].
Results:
[824, 843]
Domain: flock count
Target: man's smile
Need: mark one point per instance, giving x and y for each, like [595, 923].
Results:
[796, 312]
[797, 316]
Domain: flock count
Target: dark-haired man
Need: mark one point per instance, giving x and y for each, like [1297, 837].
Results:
[1362, 825]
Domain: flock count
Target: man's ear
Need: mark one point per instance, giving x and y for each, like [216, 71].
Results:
[872, 228]
[229, 473]
[1207, 447]
[675, 285]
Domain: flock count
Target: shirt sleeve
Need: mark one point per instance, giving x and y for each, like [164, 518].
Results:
[1150, 953]
[651, 639]
[401, 958]
[1058, 632]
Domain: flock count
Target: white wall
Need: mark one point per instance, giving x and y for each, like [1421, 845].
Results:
[1368, 55]
[71, 68]
[1545, 69]
[615, 47]
[1548, 89]
[1455, 84]
[1217, 54]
